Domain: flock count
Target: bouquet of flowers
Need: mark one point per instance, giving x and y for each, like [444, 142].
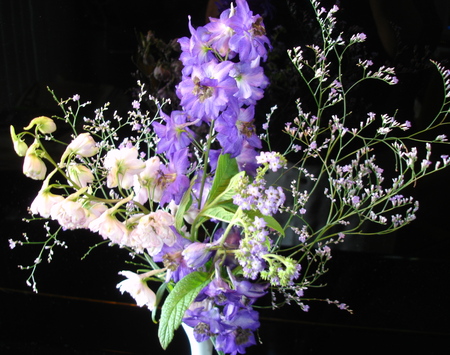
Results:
[205, 215]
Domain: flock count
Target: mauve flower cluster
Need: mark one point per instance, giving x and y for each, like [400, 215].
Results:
[222, 78]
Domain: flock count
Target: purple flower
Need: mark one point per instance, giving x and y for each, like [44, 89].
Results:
[206, 323]
[246, 292]
[244, 322]
[234, 129]
[250, 39]
[175, 135]
[172, 179]
[250, 81]
[247, 159]
[221, 30]
[195, 50]
[208, 90]
[172, 258]
[197, 254]
[235, 341]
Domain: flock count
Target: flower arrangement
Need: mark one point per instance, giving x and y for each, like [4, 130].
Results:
[205, 216]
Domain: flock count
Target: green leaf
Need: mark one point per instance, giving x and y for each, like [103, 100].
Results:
[230, 190]
[219, 213]
[226, 169]
[185, 203]
[176, 304]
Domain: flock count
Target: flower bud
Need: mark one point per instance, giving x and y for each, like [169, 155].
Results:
[44, 124]
[197, 254]
[80, 175]
[33, 166]
[19, 145]
[83, 145]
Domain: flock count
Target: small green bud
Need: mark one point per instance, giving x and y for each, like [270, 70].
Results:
[19, 145]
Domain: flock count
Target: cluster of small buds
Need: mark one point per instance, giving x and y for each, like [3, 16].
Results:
[296, 56]
[327, 22]
[387, 74]
[400, 200]
[340, 305]
[358, 38]
[302, 233]
[335, 93]
[388, 123]
[282, 271]
[364, 63]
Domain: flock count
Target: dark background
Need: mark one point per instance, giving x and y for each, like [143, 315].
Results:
[396, 285]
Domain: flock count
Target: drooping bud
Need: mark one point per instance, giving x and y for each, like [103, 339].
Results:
[80, 175]
[33, 166]
[83, 145]
[44, 124]
[19, 145]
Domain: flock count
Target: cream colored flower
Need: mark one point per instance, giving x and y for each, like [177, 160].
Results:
[83, 145]
[138, 289]
[154, 230]
[80, 174]
[33, 166]
[69, 214]
[44, 202]
[145, 184]
[109, 227]
[122, 165]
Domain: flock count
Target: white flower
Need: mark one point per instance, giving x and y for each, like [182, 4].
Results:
[138, 289]
[122, 165]
[44, 202]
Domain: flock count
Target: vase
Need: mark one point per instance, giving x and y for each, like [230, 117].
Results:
[203, 348]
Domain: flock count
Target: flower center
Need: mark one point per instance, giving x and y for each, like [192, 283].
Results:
[246, 128]
[203, 328]
[242, 335]
[203, 92]
[172, 261]
[258, 28]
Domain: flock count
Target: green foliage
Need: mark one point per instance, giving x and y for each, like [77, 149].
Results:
[177, 302]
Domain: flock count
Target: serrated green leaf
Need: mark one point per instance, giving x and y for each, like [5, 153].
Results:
[177, 302]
